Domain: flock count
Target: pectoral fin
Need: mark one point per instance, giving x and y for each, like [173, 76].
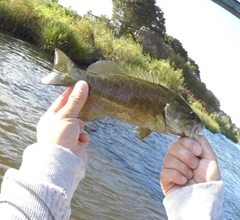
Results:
[89, 112]
[142, 132]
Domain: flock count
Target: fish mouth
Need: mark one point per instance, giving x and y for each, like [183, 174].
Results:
[190, 130]
[194, 132]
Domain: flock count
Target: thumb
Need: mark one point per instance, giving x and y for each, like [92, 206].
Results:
[76, 100]
[207, 151]
[210, 160]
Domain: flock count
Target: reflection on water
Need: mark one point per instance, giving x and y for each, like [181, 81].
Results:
[122, 179]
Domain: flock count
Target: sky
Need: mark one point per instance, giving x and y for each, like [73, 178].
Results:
[210, 35]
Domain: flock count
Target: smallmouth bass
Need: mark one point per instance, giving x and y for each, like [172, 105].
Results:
[128, 97]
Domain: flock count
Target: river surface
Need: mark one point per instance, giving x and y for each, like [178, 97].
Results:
[122, 178]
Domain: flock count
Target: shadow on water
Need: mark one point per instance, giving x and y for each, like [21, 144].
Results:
[122, 178]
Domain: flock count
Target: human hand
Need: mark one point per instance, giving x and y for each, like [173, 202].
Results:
[188, 162]
[61, 124]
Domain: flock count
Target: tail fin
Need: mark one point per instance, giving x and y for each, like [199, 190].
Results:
[60, 74]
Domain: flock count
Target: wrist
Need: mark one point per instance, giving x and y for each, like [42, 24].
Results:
[213, 172]
[53, 164]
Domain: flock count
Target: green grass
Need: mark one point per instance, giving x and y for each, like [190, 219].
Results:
[87, 39]
[210, 123]
[48, 25]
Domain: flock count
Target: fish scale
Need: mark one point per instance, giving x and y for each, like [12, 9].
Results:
[128, 97]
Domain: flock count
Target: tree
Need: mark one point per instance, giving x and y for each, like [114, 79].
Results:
[137, 14]
[176, 46]
[194, 67]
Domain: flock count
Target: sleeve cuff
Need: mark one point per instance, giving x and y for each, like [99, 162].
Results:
[53, 164]
[44, 184]
[206, 199]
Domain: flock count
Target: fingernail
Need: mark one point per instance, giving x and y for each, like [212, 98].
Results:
[81, 86]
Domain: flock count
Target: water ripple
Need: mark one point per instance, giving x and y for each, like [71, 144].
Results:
[122, 179]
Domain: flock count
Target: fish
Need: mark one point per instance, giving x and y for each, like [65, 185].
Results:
[133, 98]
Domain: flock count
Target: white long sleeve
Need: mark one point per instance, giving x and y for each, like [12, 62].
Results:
[43, 186]
[198, 202]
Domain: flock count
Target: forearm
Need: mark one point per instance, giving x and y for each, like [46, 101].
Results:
[43, 186]
[199, 201]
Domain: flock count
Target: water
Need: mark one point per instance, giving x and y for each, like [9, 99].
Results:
[122, 178]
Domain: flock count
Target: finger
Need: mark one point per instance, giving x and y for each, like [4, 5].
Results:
[168, 176]
[76, 100]
[172, 163]
[82, 154]
[207, 151]
[83, 138]
[191, 145]
[183, 154]
[60, 101]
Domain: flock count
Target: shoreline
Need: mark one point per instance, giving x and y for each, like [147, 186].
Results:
[47, 25]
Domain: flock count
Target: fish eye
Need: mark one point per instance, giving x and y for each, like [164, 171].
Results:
[192, 115]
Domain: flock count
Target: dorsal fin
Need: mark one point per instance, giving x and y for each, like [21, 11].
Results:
[152, 76]
[110, 67]
[105, 67]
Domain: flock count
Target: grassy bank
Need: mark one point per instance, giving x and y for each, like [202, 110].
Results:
[87, 39]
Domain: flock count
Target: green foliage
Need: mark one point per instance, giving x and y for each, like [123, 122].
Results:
[122, 50]
[179, 60]
[90, 38]
[15, 17]
[211, 100]
[136, 14]
[200, 90]
[210, 123]
[177, 46]
[46, 23]
[167, 75]
[217, 122]
[227, 128]
[194, 67]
